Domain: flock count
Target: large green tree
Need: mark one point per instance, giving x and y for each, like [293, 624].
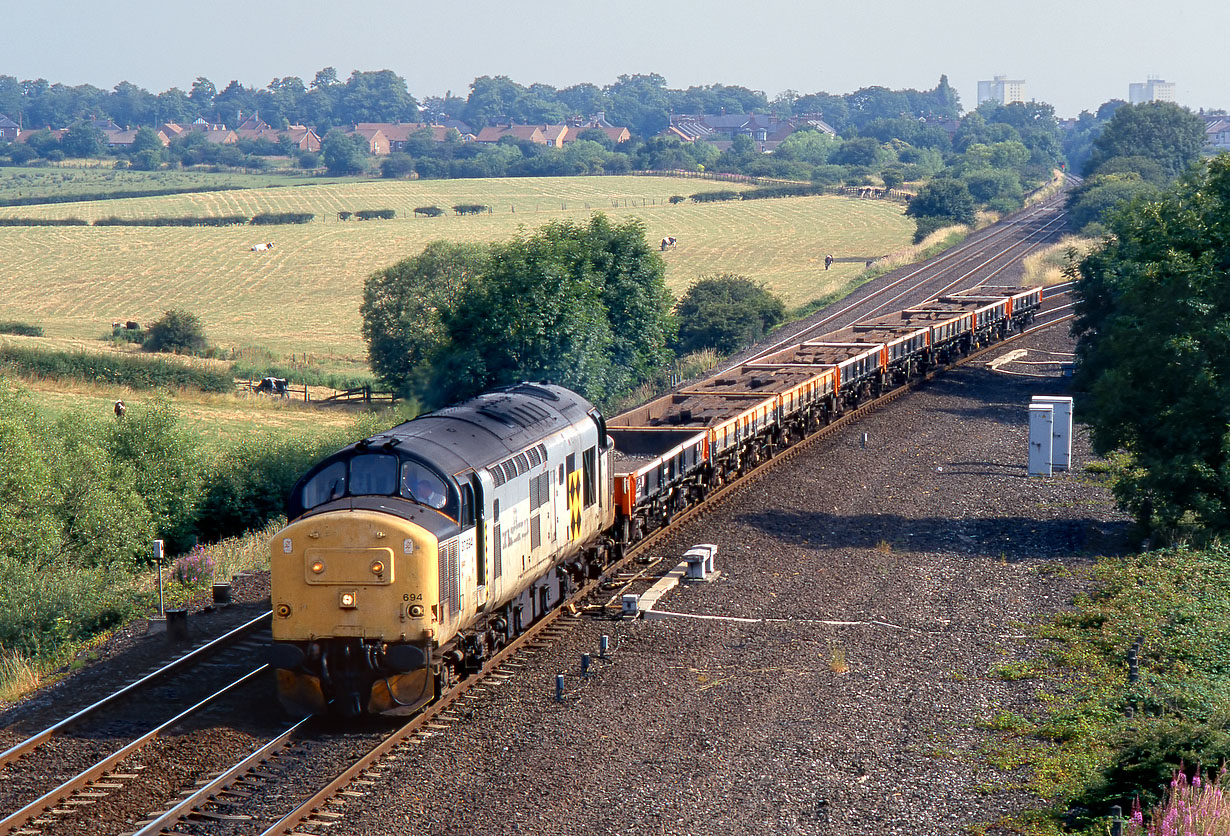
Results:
[1171, 135]
[726, 312]
[1153, 321]
[404, 309]
[537, 314]
[344, 153]
[581, 304]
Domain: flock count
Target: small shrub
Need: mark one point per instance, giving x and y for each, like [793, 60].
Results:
[429, 211]
[469, 208]
[838, 663]
[344, 215]
[120, 334]
[677, 198]
[196, 568]
[726, 313]
[375, 214]
[179, 332]
[20, 329]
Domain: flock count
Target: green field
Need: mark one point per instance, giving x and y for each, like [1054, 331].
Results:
[303, 296]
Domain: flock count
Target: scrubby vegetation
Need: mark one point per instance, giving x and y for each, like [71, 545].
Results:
[725, 313]
[1102, 739]
[178, 332]
[266, 218]
[20, 329]
[85, 495]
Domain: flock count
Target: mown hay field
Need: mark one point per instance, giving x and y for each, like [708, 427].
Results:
[304, 294]
[217, 421]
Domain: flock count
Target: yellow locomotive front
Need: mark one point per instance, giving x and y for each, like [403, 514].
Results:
[353, 612]
[354, 586]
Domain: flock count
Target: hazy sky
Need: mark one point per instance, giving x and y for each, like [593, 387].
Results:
[1074, 54]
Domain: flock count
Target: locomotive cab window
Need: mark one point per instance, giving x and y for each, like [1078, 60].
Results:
[604, 441]
[328, 484]
[373, 474]
[589, 465]
[423, 485]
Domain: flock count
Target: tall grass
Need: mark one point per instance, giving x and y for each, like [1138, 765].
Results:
[1046, 266]
[934, 244]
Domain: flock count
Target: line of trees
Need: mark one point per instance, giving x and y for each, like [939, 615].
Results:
[642, 102]
[1133, 151]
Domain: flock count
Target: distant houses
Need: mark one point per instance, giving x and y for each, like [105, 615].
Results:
[394, 137]
[8, 129]
[383, 138]
[1217, 133]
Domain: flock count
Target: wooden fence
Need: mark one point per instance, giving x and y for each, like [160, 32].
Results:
[360, 394]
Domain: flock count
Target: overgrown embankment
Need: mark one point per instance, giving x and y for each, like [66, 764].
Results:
[1109, 730]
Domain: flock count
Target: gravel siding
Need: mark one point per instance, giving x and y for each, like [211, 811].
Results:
[931, 538]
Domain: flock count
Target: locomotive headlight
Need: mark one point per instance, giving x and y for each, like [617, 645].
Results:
[416, 611]
[318, 567]
[346, 600]
[377, 567]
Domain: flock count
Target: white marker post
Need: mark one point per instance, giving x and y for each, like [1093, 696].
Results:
[158, 559]
[1041, 438]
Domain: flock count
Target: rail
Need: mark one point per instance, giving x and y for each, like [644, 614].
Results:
[53, 797]
[34, 741]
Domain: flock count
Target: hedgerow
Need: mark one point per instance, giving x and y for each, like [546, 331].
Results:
[20, 329]
[38, 200]
[715, 196]
[42, 222]
[185, 220]
[266, 218]
[120, 370]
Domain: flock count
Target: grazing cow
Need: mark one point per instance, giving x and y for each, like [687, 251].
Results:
[120, 409]
[132, 326]
[273, 386]
[668, 241]
[260, 248]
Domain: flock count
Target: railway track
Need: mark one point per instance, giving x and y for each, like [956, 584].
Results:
[976, 261]
[62, 774]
